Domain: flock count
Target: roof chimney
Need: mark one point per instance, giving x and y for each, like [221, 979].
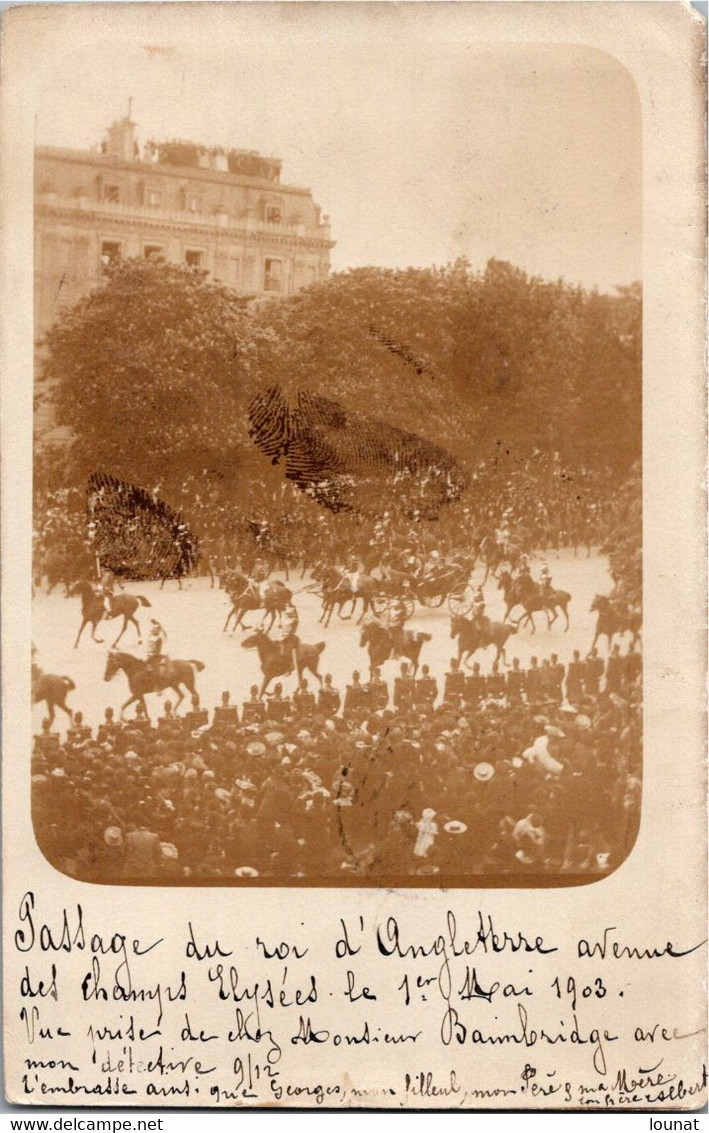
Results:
[121, 140]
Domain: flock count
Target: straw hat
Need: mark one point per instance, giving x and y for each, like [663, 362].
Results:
[483, 772]
[455, 827]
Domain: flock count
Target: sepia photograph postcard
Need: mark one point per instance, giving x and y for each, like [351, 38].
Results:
[353, 556]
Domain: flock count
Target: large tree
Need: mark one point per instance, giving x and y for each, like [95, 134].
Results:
[474, 361]
[152, 372]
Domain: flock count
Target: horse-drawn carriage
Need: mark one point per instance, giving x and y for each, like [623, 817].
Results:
[430, 585]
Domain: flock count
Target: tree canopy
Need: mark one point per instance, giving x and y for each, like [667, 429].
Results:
[475, 359]
[154, 371]
[151, 371]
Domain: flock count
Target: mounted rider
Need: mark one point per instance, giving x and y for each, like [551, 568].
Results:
[545, 583]
[396, 620]
[350, 575]
[522, 571]
[257, 582]
[103, 589]
[155, 660]
[289, 633]
[502, 533]
[480, 621]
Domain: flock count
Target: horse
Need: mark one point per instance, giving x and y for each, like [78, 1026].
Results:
[337, 592]
[93, 610]
[525, 593]
[276, 657]
[142, 680]
[52, 690]
[472, 637]
[379, 642]
[277, 598]
[611, 621]
[494, 554]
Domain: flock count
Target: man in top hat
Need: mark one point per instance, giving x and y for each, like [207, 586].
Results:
[574, 679]
[354, 695]
[227, 713]
[534, 682]
[108, 728]
[79, 733]
[495, 683]
[404, 688]
[515, 682]
[378, 690]
[197, 717]
[453, 683]
[253, 710]
[556, 679]
[278, 705]
[329, 699]
[615, 671]
[426, 689]
[592, 673]
[303, 699]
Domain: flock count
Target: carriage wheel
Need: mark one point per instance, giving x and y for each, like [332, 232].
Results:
[408, 604]
[380, 604]
[433, 601]
[460, 603]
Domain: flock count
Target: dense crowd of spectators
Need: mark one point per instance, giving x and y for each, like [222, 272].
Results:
[534, 772]
[542, 505]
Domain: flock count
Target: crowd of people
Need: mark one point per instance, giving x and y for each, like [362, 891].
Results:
[468, 774]
[531, 508]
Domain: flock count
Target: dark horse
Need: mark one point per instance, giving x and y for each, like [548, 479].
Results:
[93, 610]
[52, 690]
[472, 637]
[379, 642]
[277, 598]
[276, 657]
[526, 593]
[337, 593]
[614, 618]
[142, 680]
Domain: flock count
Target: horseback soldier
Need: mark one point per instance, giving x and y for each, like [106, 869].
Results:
[352, 574]
[104, 589]
[154, 659]
[396, 621]
[480, 621]
[258, 582]
[289, 633]
[522, 571]
[545, 581]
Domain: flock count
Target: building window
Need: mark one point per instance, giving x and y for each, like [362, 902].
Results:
[111, 194]
[152, 251]
[193, 258]
[273, 214]
[110, 253]
[154, 198]
[273, 275]
[194, 204]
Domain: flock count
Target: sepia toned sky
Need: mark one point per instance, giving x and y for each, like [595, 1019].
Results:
[419, 151]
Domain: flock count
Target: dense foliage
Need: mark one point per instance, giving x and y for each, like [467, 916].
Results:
[475, 360]
[154, 372]
[151, 373]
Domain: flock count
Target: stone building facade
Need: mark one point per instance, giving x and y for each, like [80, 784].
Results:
[224, 211]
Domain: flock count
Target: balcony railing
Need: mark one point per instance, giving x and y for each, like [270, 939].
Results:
[200, 220]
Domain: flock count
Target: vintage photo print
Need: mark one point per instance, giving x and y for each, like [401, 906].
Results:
[341, 504]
